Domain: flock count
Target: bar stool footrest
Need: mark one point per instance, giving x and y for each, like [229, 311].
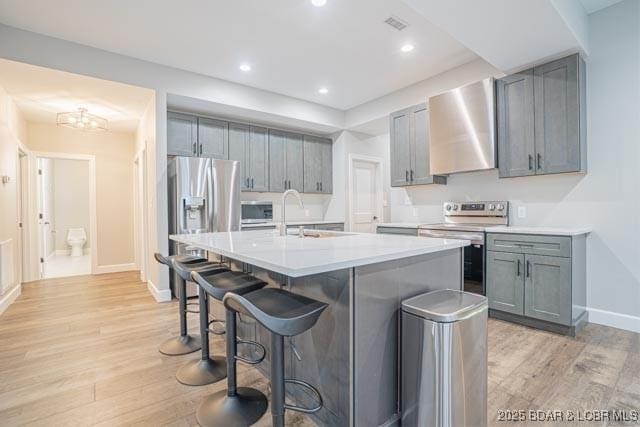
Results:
[216, 332]
[246, 359]
[313, 391]
[190, 310]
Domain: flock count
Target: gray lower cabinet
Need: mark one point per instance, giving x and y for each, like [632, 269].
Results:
[409, 139]
[286, 157]
[547, 291]
[330, 227]
[505, 282]
[542, 119]
[397, 230]
[182, 134]
[249, 145]
[318, 165]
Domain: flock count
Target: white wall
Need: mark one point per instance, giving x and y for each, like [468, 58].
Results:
[70, 200]
[606, 198]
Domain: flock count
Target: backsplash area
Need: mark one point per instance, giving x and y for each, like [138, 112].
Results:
[315, 205]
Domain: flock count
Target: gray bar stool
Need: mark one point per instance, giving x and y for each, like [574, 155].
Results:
[235, 406]
[284, 314]
[184, 343]
[206, 369]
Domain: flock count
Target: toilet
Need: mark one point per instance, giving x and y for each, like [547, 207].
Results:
[76, 238]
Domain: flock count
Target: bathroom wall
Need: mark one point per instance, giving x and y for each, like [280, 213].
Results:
[114, 154]
[70, 200]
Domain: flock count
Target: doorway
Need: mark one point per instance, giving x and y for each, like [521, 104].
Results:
[139, 206]
[65, 193]
[365, 193]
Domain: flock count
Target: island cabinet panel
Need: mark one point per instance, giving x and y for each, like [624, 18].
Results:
[542, 119]
[213, 138]
[505, 282]
[182, 134]
[285, 161]
[537, 280]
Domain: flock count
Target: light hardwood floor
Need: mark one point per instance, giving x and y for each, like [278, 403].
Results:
[82, 351]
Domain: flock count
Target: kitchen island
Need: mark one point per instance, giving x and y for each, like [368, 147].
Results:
[351, 355]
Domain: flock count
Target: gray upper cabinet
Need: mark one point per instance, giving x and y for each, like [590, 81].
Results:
[542, 119]
[285, 161]
[409, 134]
[213, 138]
[182, 134]
[318, 167]
[516, 143]
[548, 288]
[505, 282]
[249, 145]
[400, 135]
[238, 150]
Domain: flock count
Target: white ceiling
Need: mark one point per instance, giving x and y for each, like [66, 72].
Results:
[293, 47]
[595, 5]
[41, 93]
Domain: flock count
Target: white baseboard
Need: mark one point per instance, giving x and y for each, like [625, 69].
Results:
[163, 295]
[615, 320]
[115, 268]
[7, 299]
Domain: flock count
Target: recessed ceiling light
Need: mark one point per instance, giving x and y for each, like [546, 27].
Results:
[323, 91]
[407, 47]
[318, 3]
[245, 67]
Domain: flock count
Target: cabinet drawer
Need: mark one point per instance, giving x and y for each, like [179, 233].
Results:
[398, 230]
[529, 244]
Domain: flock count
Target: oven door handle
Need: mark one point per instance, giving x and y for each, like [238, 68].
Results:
[474, 238]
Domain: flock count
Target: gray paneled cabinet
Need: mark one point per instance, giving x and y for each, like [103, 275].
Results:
[548, 289]
[318, 165]
[249, 145]
[542, 119]
[188, 135]
[286, 157]
[409, 138]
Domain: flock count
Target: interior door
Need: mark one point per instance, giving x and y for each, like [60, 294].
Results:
[366, 197]
[45, 211]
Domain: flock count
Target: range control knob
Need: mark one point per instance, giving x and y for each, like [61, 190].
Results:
[492, 207]
[500, 207]
[448, 207]
[455, 207]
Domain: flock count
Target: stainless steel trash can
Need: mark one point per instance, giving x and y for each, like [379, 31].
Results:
[444, 360]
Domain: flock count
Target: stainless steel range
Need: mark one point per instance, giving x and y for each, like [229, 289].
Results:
[469, 221]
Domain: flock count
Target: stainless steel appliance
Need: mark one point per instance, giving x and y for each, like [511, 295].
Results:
[444, 360]
[204, 196]
[462, 123]
[257, 212]
[469, 221]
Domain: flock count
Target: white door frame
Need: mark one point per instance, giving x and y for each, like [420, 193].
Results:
[140, 209]
[351, 176]
[93, 227]
[24, 210]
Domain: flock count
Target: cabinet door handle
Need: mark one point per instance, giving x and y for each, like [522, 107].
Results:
[194, 150]
[539, 161]
[248, 183]
[528, 269]
[411, 175]
[252, 183]
[317, 186]
[289, 184]
[406, 176]
[200, 149]
[321, 186]
[530, 162]
[518, 269]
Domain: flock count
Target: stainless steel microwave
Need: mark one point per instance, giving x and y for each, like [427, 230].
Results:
[256, 212]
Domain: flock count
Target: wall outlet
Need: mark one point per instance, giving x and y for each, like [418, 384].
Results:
[522, 212]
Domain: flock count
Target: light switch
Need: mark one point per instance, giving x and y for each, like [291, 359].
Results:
[522, 212]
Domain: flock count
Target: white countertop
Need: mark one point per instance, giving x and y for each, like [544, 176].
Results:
[296, 257]
[289, 223]
[547, 231]
[400, 224]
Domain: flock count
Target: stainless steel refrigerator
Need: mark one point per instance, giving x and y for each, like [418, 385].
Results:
[204, 196]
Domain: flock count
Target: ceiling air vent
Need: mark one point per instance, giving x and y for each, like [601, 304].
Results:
[396, 23]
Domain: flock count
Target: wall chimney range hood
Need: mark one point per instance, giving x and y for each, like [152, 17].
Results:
[462, 129]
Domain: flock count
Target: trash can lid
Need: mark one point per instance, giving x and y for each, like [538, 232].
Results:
[445, 305]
